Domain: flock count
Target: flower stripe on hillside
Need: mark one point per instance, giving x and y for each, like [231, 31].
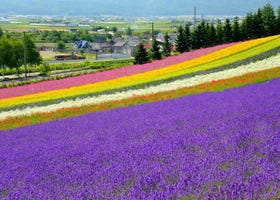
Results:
[138, 78]
[219, 85]
[175, 85]
[106, 75]
[211, 146]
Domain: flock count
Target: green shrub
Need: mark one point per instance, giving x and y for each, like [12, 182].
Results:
[45, 68]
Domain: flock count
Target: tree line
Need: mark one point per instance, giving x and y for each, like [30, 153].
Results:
[12, 52]
[258, 24]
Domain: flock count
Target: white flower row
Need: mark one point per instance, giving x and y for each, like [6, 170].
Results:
[187, 82]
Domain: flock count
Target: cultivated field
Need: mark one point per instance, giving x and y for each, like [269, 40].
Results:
[200, 125]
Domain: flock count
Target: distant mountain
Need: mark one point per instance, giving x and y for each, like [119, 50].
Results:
[131, 7]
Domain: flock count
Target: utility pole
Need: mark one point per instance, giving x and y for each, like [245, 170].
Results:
[194, 17]
[25, 70]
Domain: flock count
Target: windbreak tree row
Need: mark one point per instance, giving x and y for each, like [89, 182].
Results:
[260, 24]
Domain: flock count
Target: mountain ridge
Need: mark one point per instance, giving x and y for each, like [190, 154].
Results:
[131, 8]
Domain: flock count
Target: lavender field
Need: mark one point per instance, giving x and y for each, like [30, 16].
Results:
[222, 145]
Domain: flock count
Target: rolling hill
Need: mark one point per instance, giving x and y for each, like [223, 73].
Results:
[200, 125]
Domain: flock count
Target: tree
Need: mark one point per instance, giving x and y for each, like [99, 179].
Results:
[54, 36]
[117, 35]
[236, 33]
[167, 46]
[156, 55]
[247, 27]
[128, 31]
[227, 33]
[11, 53]
[208, 41]
[219, 31]
[212, 35]
[16, 56]
[187, 35]
[5, 49]
[61, 45]
[278, 20]
[199, 38]
[269, 20]
[180, 40]
[114, 29]
[1, 32]
[33, 55]
[141, 55]
[258, 24]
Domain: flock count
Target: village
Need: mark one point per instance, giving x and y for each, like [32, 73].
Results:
[102, 37]
[116, 48]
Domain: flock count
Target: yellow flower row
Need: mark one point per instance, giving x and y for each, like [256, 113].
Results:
[228, 60]
[149, 76]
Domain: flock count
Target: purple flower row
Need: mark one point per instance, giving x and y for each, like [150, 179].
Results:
[221, 145]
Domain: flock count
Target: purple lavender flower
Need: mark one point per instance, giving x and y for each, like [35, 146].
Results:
[221, 145]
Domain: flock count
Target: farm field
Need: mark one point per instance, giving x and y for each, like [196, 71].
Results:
[48, 55]
[138, 26]
[201, 125]
[212, 145]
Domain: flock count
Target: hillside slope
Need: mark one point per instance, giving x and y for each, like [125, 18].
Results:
[223, 67]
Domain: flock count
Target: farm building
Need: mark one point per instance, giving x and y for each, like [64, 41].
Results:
[82, 45]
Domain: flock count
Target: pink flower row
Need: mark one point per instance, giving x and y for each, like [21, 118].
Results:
[106, 75]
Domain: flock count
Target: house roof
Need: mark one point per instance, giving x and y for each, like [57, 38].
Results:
[119, 39]
[133, 43]
[119, 43]
[82, 44]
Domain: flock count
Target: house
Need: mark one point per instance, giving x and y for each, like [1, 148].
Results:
[160, 36]
[133, 42]
[46, 48]
[121, 47]
[134, 38]
[82, 45]
[102, 47]
[172, 38]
